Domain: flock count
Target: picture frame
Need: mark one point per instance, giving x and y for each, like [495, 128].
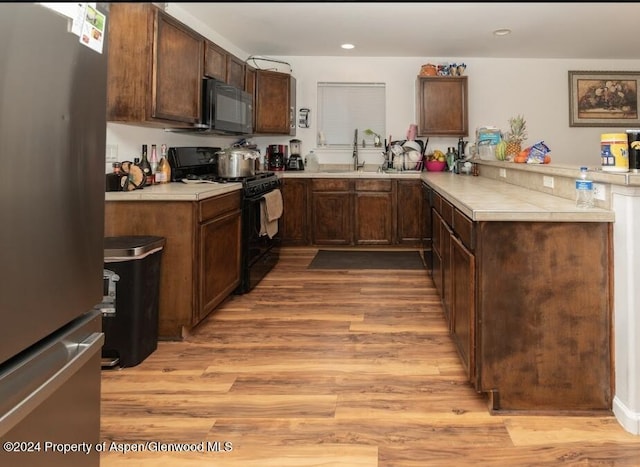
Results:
[604, 99]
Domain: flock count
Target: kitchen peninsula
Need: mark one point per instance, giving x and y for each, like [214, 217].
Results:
[525, 281]
[201, 259]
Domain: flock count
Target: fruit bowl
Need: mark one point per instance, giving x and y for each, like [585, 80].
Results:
[436, 166]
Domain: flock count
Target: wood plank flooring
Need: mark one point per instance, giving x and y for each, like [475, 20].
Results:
[330, 368]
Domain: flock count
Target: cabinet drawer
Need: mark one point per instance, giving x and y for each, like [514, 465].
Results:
[373, 185]
[330, 184]
[218, 205]
[447, 211]
[464, 228]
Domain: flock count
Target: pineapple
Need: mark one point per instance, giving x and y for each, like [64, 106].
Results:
[516, 135]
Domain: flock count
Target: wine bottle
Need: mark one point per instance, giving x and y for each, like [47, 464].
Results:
[146, 166]
[163, 174]
[153, 162]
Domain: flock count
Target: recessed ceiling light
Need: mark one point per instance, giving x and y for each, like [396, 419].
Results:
[347, 46]
[502, 32]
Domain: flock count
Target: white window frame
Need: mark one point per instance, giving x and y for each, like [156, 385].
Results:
[344, 107]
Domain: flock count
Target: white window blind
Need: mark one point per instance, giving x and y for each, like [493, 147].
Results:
[343, 107]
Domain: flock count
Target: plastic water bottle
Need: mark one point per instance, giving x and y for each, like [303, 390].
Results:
[312, 162]
[584, 190]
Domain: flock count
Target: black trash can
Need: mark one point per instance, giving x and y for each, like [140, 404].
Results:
[130, 303]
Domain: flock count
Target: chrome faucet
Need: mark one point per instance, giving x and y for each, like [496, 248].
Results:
[356, 164]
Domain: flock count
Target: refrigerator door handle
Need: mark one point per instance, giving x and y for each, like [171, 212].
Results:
[75, 355]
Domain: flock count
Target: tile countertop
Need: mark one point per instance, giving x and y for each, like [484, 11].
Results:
[484, 199]
[174, 191]
[348, 174]
[480, 198]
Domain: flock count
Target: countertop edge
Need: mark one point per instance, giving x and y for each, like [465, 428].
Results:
[174, 191]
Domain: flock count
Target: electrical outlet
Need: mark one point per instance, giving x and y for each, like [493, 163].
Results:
[547, 181]
[503, 173]
[111, 153]
[598, 191]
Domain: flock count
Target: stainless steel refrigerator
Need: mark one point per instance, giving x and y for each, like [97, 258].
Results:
[52, 183]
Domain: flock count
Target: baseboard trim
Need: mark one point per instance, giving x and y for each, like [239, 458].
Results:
[629, 419]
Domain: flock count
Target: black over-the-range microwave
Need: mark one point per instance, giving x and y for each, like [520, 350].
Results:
[225, 108]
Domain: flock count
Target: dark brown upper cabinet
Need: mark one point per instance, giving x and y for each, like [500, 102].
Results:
[442, 107]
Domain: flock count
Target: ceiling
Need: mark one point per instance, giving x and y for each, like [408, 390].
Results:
[398, 29]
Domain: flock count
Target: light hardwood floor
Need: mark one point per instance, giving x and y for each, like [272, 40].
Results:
[331, 368]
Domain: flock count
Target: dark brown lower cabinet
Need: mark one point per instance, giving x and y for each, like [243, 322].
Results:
[352, 212]
[201, 257]
[427, 227]
[293, 225]
[373, 212]
[529, 308]
[544, 315]
[462, 294]
[410, 199]
[331, 211]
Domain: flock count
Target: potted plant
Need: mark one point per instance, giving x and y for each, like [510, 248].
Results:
[376, 137]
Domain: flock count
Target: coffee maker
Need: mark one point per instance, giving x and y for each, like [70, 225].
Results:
[276, 156]
[295, 161]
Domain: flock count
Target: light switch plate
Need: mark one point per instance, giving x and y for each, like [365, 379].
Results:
[503, 173]
[547, 181]
[111, 153]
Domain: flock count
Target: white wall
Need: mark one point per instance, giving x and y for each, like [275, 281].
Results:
[498, 90]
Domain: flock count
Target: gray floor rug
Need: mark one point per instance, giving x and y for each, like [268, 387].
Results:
[341, 259]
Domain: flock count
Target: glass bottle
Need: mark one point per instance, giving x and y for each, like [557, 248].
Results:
[146, 166]
[153, 162]
[163, 174]
[451, 160]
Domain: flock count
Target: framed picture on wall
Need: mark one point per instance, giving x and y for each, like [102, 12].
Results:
[604, 98]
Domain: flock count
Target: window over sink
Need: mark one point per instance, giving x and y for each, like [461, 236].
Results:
[344, 107]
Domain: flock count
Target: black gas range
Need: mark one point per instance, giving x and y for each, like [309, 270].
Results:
[201, 163]
[259, 253]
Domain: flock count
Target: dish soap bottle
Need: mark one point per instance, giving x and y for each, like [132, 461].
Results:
[584, 190]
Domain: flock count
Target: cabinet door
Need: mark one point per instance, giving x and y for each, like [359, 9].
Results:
[293, 222]
[446, 234]
[235, 71]
[442, 106]
[437, 252]
[250, 87]
[273, 103]
[219, 261]
[463, 304]
[215, 61]
[331, 218]
[250, 79]
[427, 227]
[409, 201]
[177, 71]
[373, 218]
[292, 107]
